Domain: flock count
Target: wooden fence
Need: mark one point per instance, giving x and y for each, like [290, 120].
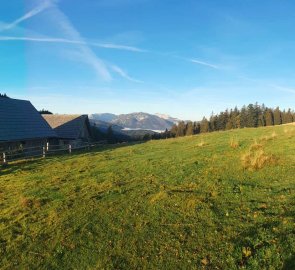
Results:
[44, 151]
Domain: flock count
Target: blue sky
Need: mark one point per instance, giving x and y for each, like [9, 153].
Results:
[185, 58]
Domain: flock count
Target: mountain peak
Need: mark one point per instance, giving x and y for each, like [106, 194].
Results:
[168, 118]
[138, 120]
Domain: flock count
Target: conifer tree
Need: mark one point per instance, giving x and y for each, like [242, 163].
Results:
[204, 126]
[269, 117]
[173, 131]
[289, 117]
[189, 129]
[110, 135]
[181, 129]
[277, 117]
[197, 128]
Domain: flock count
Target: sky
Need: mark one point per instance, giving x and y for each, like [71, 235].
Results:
[185, 58]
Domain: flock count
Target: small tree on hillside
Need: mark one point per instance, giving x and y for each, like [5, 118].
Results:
[269, 117]
[189, 129]
[277, 117]
[110, 135]
[43, 111]
[204, 125]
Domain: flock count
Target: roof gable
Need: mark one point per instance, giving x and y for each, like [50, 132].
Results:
[19, 120]
[67, 126]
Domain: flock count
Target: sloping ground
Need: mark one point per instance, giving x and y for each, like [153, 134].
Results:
[217, 201]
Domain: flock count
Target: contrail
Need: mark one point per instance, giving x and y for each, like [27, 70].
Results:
[204, 63]
[123, 74]
[33, 12]
[63, 40]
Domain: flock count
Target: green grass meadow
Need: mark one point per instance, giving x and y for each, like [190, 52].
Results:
[223, 200]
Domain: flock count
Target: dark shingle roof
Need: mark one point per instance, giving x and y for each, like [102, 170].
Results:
[67, 126]
[19, 120]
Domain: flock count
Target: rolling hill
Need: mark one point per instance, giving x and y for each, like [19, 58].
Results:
[223, 200]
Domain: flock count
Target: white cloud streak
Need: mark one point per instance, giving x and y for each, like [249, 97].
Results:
[69, 41]
[87, 55]
[124, 74]
[283, 89]
[116, 46]
[45, 5]
[204, 63]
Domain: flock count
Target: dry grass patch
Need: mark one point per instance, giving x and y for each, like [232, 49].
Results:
[255, 146]
[202, 143]
[266, 138]
[26, 202]
[290, 132]
[274, 135]
[234, 142]
[256, 158]
[161, 195]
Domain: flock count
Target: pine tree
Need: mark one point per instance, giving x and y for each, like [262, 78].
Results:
[181, 129]
[166, 134]
[110, 135]
[189, 129]
[251, 116]
[204, 126]
[197, 128]
[269, 117]
[277, 116]
[243, 117]
[289, 117]
[173, 131]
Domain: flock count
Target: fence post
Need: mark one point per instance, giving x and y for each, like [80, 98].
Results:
[70, 149]
[44, 152]
[4, 159]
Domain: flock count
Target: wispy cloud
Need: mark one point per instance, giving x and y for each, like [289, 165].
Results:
[45, 4]
[116, 46]
[69, 41]
[87, 55]
[84, 52]
[283, 88]
[204, 63]
[269, 84]
[124, 74]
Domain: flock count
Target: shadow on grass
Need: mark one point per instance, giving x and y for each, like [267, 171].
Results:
[32, 164]
[260, 237]
[289, 264]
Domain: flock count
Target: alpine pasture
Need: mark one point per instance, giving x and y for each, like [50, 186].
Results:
[223, 200]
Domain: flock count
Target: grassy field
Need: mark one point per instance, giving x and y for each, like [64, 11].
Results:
[223, 200]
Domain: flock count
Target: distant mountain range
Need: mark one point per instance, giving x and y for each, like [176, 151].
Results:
[134, 121]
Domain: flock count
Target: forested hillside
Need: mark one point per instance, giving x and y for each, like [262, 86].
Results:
[248, 116]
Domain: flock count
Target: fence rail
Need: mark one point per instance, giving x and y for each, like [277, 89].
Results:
[43, 151]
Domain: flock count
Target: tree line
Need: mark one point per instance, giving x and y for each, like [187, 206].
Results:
[3, 95]
[253, 115]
